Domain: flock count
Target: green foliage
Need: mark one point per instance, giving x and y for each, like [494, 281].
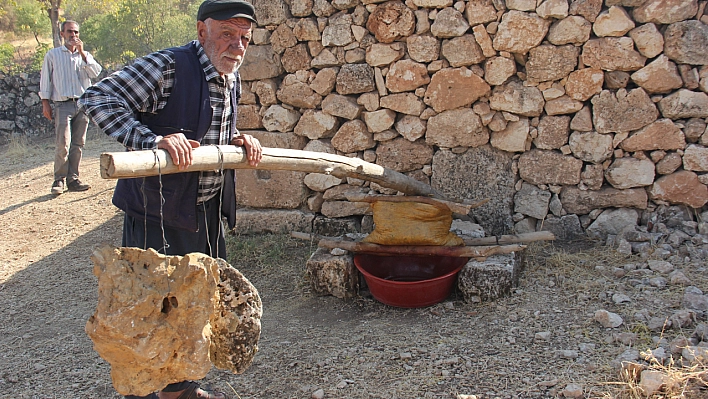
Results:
[138, 27]
[38, 57]
[33, 19]
[7, 55]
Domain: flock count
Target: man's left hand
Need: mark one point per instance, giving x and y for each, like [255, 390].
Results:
[254, 151]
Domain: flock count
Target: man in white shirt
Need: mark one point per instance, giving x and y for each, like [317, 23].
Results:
[66, 73]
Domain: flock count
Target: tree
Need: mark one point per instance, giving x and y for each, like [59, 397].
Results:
[30, 18]
[53, 10]
[138, 27]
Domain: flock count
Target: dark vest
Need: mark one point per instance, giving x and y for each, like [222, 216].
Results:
[188, 110]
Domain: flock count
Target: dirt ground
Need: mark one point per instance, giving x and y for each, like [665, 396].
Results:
[355, 348]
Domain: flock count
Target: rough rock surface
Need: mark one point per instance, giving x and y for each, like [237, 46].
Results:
[156, 317]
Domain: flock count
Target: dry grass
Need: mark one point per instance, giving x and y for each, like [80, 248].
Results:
[570, 264]
[678, 381]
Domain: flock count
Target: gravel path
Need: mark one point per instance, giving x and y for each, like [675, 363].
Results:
[532, 344]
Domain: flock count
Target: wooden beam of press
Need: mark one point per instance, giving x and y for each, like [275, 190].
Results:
[421, 250]
[512, 239]
[131, 164]
[470, 242]
[455, 207]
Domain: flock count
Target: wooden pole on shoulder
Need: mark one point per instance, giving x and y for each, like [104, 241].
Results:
[131, 164]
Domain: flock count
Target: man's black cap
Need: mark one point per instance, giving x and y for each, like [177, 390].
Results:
[226, 9]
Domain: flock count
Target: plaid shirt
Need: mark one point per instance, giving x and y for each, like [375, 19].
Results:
[145, 86]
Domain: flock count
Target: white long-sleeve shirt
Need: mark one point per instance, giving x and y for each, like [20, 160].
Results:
[65, 75]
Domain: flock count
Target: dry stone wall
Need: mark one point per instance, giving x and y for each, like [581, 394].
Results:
[557, 110]
[21, 108]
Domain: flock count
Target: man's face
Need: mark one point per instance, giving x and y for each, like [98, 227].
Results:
[70, 33]
[225, 42]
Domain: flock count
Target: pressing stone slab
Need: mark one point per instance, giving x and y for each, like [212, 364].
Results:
[490, 279]
[332, 274]
[164, 319]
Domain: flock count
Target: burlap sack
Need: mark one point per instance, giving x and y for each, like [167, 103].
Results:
[412, 223]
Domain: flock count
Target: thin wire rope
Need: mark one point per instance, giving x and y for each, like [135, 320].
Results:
[165, 245]
[221, 195]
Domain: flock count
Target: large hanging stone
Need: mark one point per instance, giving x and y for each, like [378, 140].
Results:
[160, 319]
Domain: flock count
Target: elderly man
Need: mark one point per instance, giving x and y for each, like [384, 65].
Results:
[66, 73]
[178, 99]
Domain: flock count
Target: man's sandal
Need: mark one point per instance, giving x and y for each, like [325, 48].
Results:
[194, 392]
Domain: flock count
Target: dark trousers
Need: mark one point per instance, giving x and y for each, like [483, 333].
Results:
[208, 239]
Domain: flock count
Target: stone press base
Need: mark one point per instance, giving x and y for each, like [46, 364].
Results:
[478, 281]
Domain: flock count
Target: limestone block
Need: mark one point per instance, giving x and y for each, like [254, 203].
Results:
[342, 106]
[665, 12]
[588, 9]
[695, 158]
[660, 135]
[449, 23]
[684, 104]
[457, 127]
[584, 83]
[566, 227]
[301, 8]
[480, 172]
[590, 146]
[612, 54]
[623, 111]
[353, 136]
[480, 12]
[648, 39]
[260, 62]
[406, 75]
[298, 94]
[391, 21]
[516, 98]
[332, 275]
[402, 155]
[659, 76]
[339, 209]
[271, 12]
[686, 42]
[519, 32]
[498, 69]
[315, 124]
[355, 78]
[281, 119]
[282, 38]
[258, 221]
[452, 88]
[296, 58]
[411, 127]
[160, 318]
[405, 103]
[531, 201]
[557, 9]
[570, 30]
[514, 138]
[612, 22]
[630, 172]
[582, 121]
[552, 132]
[581, 202]
[379, 54]
[490, 279]
[549, 167]
[337, 35]
[462, 51]
[562, 105]
[484, 40]
[612, 221]
[549, 62]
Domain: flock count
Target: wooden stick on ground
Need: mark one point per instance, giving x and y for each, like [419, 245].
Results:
[421, 250]
[117, 165]
[470, 242]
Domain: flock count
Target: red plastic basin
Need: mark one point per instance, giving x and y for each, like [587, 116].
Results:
[409, 281]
